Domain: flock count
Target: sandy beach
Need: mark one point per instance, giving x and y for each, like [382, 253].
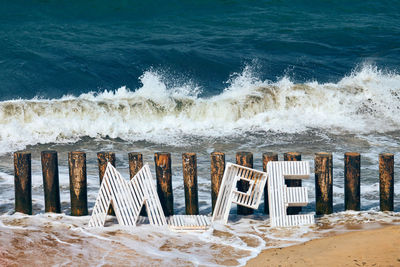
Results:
[378, 247]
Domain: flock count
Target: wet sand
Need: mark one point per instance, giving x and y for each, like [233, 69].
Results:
[378, 247]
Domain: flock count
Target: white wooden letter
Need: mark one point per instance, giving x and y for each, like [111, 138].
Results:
[280, 196]
[228, 192]
[127, 198]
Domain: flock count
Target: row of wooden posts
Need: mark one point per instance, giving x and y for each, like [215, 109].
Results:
[78, 180]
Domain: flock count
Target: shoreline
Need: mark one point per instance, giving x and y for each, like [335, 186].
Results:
[373, 247]
[56, 239]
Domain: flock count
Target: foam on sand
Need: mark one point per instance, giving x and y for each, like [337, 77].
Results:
[60, 239]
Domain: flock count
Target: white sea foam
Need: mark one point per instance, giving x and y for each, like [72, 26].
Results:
[66, 239]
[365, 101]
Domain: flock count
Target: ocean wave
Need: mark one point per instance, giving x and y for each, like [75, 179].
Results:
[365, 101]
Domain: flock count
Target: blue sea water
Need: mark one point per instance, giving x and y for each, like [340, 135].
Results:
[53, 48]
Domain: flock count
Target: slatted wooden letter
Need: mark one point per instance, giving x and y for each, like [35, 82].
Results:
[229, 193]
[280, 196]
[183, 223]
[127, 198]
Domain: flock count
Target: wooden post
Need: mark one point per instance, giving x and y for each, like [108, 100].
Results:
[386, 181]
[352, 181]
[217, 172]
[189, 164]
[78, 183]
[102, 159]
[293, 156]
[164, 181]
[50, 181]
[323, 183]
[23, 182]
[245, 159]
[135, 164]
[267, 157]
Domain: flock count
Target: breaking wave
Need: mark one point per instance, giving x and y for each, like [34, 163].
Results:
[365, 101]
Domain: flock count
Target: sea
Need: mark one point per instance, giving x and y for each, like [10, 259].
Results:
[192, 76]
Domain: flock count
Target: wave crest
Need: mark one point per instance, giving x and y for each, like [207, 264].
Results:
[365, 101]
